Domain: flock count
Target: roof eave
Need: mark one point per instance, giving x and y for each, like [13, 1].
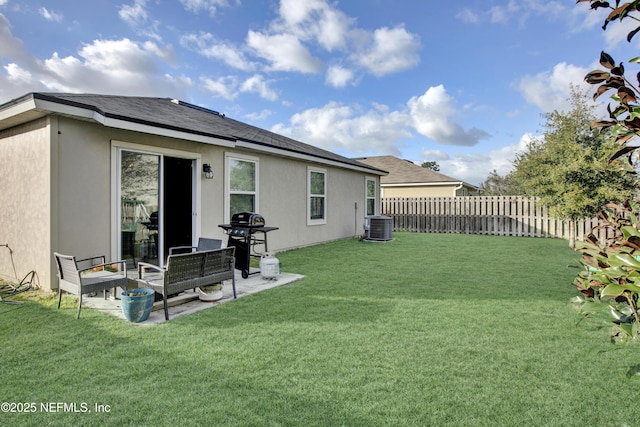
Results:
[18, 111]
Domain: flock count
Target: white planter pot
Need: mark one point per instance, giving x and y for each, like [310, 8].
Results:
[210, 293]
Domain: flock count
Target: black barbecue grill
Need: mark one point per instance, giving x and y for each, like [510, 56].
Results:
[247, 219]
[246, 231]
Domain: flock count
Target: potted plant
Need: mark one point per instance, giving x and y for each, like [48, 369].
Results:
[210, 293]
[137, 304]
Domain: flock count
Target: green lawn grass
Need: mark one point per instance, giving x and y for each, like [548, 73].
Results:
[423, 330]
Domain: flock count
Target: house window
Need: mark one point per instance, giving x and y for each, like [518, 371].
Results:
[317, 196]
[242, 185]
[370, 198]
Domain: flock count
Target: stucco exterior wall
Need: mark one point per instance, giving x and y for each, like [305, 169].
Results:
[83, 178]
[283, 202]
[25, 202]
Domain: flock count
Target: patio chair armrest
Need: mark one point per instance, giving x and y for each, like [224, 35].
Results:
[122, 265]
[174, 248]
[144, 266]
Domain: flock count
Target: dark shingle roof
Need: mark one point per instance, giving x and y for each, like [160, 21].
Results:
[176, 115]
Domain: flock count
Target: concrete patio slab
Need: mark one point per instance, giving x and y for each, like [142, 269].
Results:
[188, 302]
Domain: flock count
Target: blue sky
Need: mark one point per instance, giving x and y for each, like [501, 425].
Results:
[463, 83]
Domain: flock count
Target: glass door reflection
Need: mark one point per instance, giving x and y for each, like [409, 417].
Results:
[139, 218]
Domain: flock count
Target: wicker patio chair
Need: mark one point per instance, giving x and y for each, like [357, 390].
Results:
[95, 278]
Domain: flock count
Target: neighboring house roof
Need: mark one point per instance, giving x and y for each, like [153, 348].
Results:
[404, 172]
[169, 117]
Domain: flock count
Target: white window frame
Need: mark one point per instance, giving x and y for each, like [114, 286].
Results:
[367, 180]
[322, 220]
[228, 157]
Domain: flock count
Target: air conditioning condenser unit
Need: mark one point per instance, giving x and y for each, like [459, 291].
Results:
[378, 228]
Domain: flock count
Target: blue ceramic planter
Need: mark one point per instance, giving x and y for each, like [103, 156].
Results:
[136, 308]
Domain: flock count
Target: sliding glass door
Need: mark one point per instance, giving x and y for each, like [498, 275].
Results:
[156, 194]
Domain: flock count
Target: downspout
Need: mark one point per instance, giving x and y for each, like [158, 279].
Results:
[355, 218]
[455, 190]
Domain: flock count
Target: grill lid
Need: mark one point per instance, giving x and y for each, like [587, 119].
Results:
[247, 219]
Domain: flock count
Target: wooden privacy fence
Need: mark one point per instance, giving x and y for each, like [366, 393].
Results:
[498, 215]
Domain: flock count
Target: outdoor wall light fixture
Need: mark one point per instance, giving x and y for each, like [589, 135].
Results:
[208, 172]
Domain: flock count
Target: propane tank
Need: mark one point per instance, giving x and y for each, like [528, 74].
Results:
[269, 266]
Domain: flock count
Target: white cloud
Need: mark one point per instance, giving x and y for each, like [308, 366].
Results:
[208, 46]
[501, 14]
[257, 84]
[164, 53]
[332, 29]
[431, 116]
[583, 18]
[338, 76]
[617, 32]
[474, 168]
[182, 81]
[431, 155]
[22, 68]
[318, 26]
[210, 6]
[11, 47]
[16, 82]
[284, 52]
[295, 12]
[514, 10]
[259, 116]
[223, 87]
[120, 66]
[469, 16]
[17, 74]
[353, 131]
[390, 50]
[339, 127]
[134, 15]
[124, 57]
[550, 91]
[314, 20]
[50, 15]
